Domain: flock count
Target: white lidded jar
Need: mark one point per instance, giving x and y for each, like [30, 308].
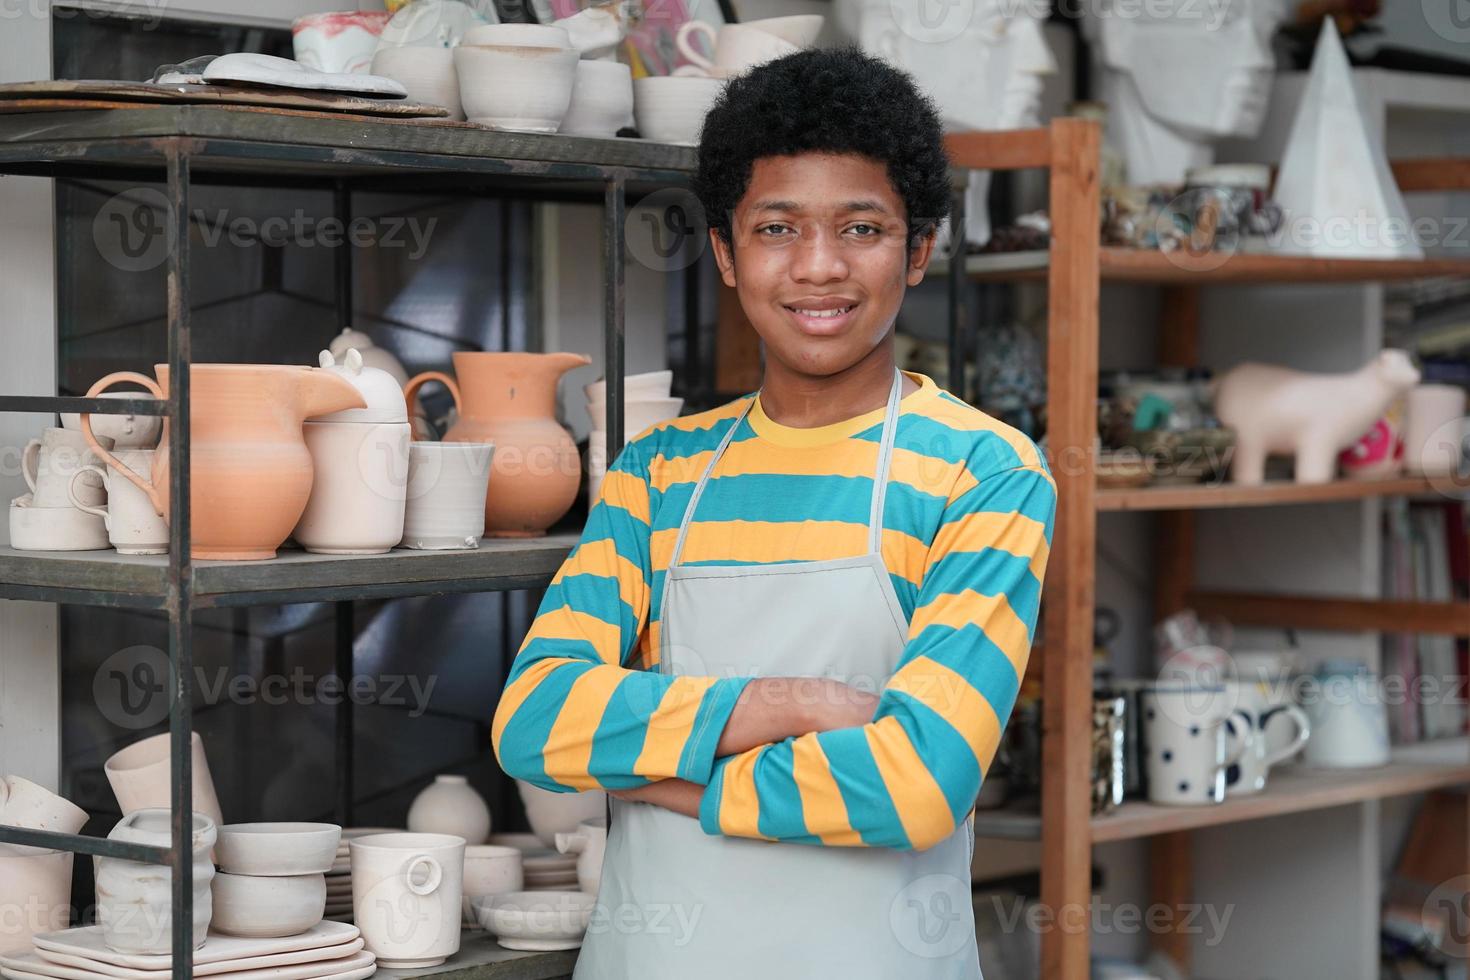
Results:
[135, 900]
[450, 805]
[360, 457]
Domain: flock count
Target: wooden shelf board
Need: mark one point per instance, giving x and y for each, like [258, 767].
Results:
[1273, 493]
[1415, 769]
[1146, 266]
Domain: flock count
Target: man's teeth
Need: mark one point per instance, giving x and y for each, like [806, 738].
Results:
[825, 314]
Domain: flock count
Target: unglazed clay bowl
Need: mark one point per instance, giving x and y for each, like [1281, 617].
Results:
[515, 87]
[267, 908]
[648, 385]
[537, 920]
[277, 849]
[671, 108]
[490, 869]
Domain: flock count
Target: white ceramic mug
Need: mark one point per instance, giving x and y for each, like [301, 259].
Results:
[133, 526]
[736, 48]
[447, 482]
[602, 100]
[34, 807]
[1278, 732]
[49, 463]
[407, 897]
[490, 869]
[1349, 720]
[1192, 735]
[139, 775]
[589, 843]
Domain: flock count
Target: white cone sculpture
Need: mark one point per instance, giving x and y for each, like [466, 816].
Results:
[1335, 187]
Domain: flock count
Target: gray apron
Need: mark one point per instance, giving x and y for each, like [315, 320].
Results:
[681, 904]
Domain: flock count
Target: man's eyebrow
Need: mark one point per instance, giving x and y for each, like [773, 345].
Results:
[857, 205]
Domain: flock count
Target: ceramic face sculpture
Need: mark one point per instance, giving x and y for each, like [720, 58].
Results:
[983, 62]
[1178, 75]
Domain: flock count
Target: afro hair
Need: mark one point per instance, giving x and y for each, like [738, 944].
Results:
[836, 100]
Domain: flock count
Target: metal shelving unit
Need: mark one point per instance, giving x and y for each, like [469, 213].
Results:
[189, 145]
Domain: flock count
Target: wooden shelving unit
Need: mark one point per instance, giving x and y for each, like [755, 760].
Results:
[1073, 269]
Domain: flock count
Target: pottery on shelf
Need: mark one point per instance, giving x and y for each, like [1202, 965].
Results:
[589, 843]
[602, 99]
[250, 471]
[373, 356]
[450, 805]
[125, 431]
[35, 528]
[649, 384]
[339, 40]
[139, 776]
[249, 68]
[552, 813]
[447, 486]
[134, 900]
[537, 920]
[267, 907]
[426, 74]
[671, 108]
[432, 24]
[1281, 411]
[490, 869]
[35, 892]
[34, 807]
[519, 35]
[407, 891]
[49, 463]
[737, 47]
[360, 460]
[638, 413]
[509, 399]
[1433, 424]
[515, 87]
[133, 526]
[277, 850]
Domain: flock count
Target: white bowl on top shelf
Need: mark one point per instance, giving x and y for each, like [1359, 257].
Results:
[671, 108]
[638, 413]
[519, 88]
[276, 850]
[649, 384]
[527, 35]
[427, 74]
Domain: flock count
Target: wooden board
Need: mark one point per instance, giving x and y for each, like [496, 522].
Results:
[81, 93]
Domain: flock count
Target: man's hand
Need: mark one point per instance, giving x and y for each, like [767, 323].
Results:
[772, 709]
[679, 795]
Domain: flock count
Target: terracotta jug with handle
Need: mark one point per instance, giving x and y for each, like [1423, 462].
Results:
[509, 399]
[250, 472]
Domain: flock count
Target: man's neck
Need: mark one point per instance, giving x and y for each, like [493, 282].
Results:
[804, 401]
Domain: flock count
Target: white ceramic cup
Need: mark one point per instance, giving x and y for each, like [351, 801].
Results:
[1278, 733]
[338, 40]
[671, 108]
[135, 900]
[647, 385]
[589, 843]
[737, 47]
[49, 463]
[1192, 734]
[799, 29]
[407, 896]
[1432, 435]
[517, 88]
[37, 890]
[638, 413]
[447, 482]
[490, 869]
[427, 73]
[33, 807]
[139, 775]
[1349, 722]
[602, 100]
[133, 526]
[125, 431]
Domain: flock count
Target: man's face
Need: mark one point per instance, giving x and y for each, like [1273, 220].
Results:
[817, 258]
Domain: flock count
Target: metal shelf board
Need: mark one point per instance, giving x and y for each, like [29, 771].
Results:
[81, 844]
[480, 957]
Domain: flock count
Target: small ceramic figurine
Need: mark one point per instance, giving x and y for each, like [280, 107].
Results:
[1281, 411]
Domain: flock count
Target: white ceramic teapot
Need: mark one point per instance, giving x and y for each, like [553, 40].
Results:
[589, 843]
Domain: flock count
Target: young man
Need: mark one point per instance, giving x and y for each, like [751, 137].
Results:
[794, 627]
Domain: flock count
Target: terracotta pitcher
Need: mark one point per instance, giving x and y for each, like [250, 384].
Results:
[509, 399]
[250, 472]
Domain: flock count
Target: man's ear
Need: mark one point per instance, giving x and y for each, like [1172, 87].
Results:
[919, 256]
[724, 257]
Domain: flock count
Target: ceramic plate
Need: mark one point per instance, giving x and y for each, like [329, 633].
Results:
[207, 969]
[433, 24]
[539, 945]
[86, 941]
[264, 69]
[30, 966]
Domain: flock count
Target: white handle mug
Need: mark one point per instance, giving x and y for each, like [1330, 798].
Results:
[429, 885]
[76, 498]
[1303, 732]
[700, 64]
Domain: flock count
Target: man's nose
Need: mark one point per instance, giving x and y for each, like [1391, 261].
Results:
[818, 258]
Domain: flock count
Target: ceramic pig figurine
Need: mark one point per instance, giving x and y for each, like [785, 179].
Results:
[1280, 411]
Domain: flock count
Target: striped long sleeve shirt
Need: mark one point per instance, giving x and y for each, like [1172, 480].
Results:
[967, 527]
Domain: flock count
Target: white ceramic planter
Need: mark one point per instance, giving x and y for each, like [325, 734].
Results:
[490, 869]
[277, 850]
[447, 482]
[407, 891]
[134, 900]
[517, 88]
[449, 805]
[671, 108]
[358, 491]
[602, 100]
[267, 908]
[427, 73]
[140, 779]
[552, 813]
[35, 892]
[589, 843]
[34, 807]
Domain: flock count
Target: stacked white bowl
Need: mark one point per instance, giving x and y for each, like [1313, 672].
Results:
[272, 881]
[516, 77]
[646, 403]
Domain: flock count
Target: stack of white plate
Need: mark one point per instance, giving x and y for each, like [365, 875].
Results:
[326, 951]
[543, 868]
[339, 879]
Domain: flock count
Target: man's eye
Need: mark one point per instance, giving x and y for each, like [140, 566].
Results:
[866, 230]
[774, 229]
